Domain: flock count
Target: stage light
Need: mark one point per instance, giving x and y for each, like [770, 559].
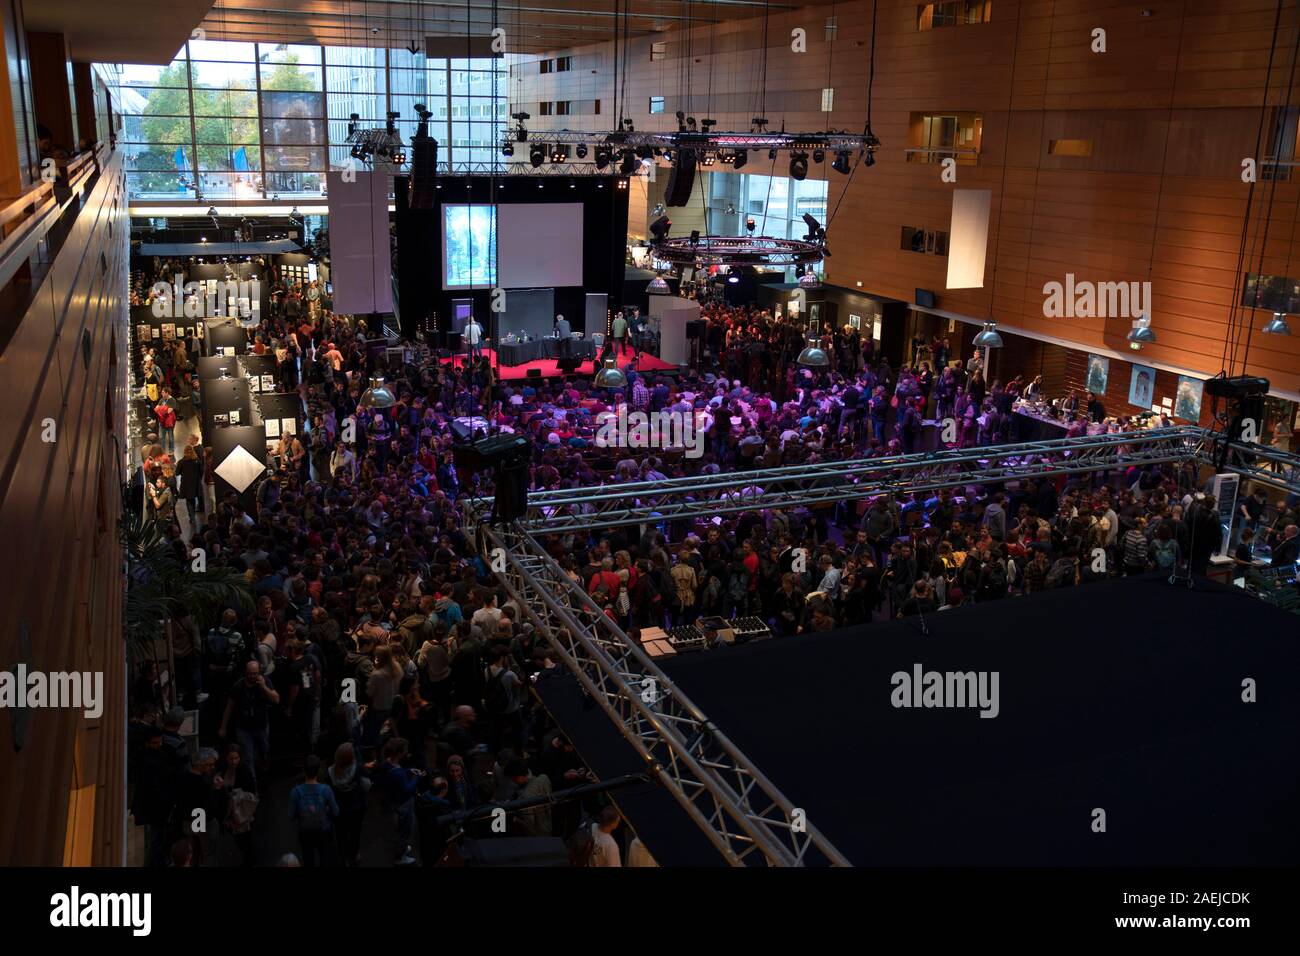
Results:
[582, 150]
[870, 158]
[659, 228]
[507, 150]
[1277, 325]
[573, 184]
[750, 224]
[603, 156]
[798, 166]
[559, 153]
[989, 338]
[212, 212]
[841, 163]
[742, 157]
[771, 153]
[809, 280]
[536, 155]
[733, 279]
[818, 155]
[708, 160]
[629, 164]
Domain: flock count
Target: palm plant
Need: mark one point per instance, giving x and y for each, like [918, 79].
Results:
[160, 583]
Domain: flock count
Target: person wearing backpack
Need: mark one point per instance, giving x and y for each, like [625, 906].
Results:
[224, 649]
[502, 701]
[1164, 549]
[313, 807]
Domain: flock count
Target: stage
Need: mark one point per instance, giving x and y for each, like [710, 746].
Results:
[1123, 696]
[549, 368]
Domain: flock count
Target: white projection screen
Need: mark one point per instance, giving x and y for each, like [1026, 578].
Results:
[539, 245]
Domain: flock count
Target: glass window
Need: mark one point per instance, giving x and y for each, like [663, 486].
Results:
[656, 104]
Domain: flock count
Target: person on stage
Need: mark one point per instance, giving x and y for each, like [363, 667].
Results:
[562, 332]
[473, 336]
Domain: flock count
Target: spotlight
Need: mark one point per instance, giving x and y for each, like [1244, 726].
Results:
[809, 280]
[841, 163]
[559, 153]
[870, 158]
[573, 184]
[507, 150]
[798, 166]
[582, 150]
[603, 156]
[750, 224]
[708, 160]
[818, 155]
[771, 153]
[659, 228]
[536, 155]
[742, 157]
[629, 164]
[212, 212]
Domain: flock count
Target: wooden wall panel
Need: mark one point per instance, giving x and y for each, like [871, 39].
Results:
[1172, 108]
[59, 505]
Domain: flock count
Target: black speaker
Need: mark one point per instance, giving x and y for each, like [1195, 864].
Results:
[424, 172]
[681, 179]
[534, 373]
[569, 365]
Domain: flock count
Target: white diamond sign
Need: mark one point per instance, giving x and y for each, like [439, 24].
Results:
[240, 469]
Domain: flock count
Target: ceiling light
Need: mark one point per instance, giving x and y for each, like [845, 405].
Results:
[841, 162]
[813, 355]
[658, 286]
[582, 150]
[536, 155]
[610, 375]
[1277, 325]
[507, 150]
[742, 157]
[818, 155]
[989, 338]
[809, 280]
[377, 395]
[1141, 333]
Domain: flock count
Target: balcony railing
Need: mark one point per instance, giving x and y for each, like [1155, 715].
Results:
[965, 155]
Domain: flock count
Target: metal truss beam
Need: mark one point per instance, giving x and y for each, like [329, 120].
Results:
[742, 813]
[699, 141]
[611, 506]
[585, 509]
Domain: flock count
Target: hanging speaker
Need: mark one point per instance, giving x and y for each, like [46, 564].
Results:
[681, 178]
[424, 172]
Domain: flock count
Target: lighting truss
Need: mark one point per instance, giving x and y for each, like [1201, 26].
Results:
[702, 142]
[737, 251]
[525, 169]
[586, 509]
[382, 148]
[748, 820]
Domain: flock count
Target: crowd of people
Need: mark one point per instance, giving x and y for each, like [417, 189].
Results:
[381, 653]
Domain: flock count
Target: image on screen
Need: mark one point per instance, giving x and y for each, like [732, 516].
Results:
[469, 254]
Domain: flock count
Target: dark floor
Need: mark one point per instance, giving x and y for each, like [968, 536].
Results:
[1123, 695]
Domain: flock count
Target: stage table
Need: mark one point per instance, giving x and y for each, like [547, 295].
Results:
[548, 347]
[1032, 427]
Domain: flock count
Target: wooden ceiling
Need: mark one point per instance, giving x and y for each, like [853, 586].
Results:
[532, 26]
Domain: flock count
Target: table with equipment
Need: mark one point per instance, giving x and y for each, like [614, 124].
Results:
[547, 347]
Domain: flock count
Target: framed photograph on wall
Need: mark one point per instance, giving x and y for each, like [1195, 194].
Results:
[268, 383]
[1142, 386]
[1098, 374]
[1187, 398]
[273, 428]
[289, 426]
[855, 321]
[234, 416]
[198, 330]
[814, 327]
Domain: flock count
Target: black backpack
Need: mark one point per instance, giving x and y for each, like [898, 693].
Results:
[495, 698]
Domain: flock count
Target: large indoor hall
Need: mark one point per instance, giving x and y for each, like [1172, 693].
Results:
[663, 434]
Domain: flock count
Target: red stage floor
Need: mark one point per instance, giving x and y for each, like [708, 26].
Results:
[550, 369]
